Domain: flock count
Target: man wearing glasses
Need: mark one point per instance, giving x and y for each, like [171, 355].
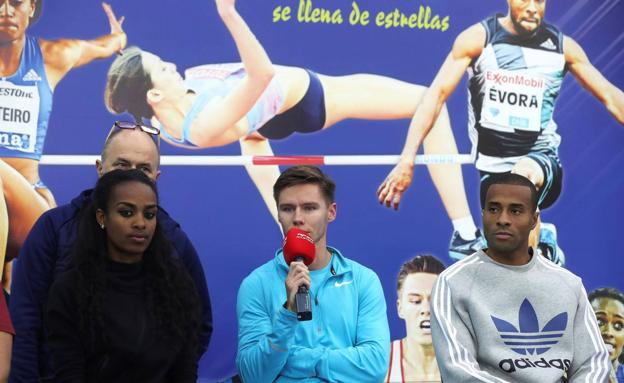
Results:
[46, 251]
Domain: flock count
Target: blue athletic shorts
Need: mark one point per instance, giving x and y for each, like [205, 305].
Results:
[553, 177]
[307, 116]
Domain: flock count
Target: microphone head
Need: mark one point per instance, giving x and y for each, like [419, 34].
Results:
[299, 244]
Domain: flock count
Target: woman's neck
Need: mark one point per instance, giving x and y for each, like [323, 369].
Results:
[171, 113]
[10, 55]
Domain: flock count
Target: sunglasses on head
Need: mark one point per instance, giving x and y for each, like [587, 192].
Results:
[153, 131]
[133, 125]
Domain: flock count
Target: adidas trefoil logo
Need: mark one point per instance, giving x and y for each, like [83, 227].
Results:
[529, 339]
[31, 75]
[548, 44]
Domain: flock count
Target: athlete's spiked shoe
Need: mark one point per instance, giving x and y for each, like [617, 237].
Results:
[548, 244]
[460, 248]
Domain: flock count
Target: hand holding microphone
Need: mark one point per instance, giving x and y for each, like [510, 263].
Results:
[299, 251]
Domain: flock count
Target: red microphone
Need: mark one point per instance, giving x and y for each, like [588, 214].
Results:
[299, 247]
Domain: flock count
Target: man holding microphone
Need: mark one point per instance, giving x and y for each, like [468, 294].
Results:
[345, 335]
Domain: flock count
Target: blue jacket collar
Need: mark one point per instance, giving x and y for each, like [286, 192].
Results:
[82, 199]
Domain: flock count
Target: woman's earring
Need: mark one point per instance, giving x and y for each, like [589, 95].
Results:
[102, 226]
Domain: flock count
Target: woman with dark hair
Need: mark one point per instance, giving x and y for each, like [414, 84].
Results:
[30, 70]
[608, 304]
[126, 310]
[412, 359]
[253, 101]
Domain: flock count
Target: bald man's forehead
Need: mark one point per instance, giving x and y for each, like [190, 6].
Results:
[132, 144]
[134, 134]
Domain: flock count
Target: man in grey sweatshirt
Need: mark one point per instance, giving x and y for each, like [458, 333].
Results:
[504, 315]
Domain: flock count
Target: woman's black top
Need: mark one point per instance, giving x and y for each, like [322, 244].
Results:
[133, 351]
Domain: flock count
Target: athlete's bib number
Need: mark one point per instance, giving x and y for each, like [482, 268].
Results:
[512, 101]
[19, 116]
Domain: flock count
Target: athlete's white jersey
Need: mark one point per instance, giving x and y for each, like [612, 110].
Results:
[513, 86]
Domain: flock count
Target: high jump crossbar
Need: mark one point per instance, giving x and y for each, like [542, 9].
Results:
[175, 160]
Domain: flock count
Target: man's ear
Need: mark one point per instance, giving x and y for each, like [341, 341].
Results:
[535, 219]
[399, 309]
[99, 168]
[331, 212]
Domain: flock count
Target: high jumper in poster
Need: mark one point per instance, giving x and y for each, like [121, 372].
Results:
[255, 101]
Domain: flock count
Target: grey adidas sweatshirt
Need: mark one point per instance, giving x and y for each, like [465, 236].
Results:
[531, 323]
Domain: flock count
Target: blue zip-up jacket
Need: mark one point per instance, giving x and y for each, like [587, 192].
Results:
[44, 255]
[347, 339]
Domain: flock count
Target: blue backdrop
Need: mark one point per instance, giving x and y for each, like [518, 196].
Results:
[220, 208]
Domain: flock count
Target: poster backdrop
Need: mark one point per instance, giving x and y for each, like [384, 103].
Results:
[220, 208]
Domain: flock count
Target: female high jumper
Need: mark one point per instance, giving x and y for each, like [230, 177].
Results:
[254, 101]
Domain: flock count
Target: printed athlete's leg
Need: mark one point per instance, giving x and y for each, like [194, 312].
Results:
[7, 276]
[530, 169]
[47, 196]
[369, 97]
[263, 176]
[24, 207]
[6, 343]
[373, 97]
[448, 178]
[449, 182]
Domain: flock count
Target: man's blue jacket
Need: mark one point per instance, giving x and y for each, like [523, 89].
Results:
[347, 340]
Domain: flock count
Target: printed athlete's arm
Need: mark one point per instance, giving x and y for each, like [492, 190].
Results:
[60, 56]
[592, 80]
[468, 45]
[211, 124]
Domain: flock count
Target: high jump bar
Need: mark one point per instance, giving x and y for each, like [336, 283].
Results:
[171, 160]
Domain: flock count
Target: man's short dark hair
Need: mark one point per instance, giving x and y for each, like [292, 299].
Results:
[606, 292]
[508, 179]
[422, 263]
[305, 174]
